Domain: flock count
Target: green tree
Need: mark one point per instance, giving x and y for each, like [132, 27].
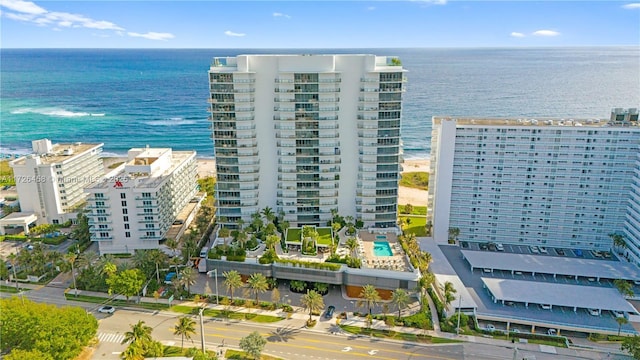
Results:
[448, 291]
[632, 345]
[257, 284]
[453, 233]
[408, 209]
[188, 278]
[59, 333]
[135, 351]
[400, 298]
[312, 301]
[127, 282]
[268, 214]
[297, 285]
[140, 335]
[253, 344]
[624, 287]
[322, 288]
[87, 259]
[369, 296]
[621, 321]
[272, 241]
[352, 245]
[81, 231]
[19, 354]
[618, 241]
[185, 327]
[232, 281]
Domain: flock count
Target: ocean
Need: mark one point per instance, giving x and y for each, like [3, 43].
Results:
[132, 98]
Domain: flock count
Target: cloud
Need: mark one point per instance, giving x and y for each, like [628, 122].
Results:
[545, 33]
[434, 2]
[153, 35]
[25, 7]
[631, 6]
[371, 8]
[231, 33]
[277, 14]
[30, 12]
[517, 34]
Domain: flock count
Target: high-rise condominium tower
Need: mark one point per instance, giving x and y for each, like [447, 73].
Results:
[307, 134]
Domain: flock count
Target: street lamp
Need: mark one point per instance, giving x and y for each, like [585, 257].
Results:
[215, 272]
[202, 330]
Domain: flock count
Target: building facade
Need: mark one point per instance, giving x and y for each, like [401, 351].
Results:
[305, 134]
[51, 181]
[546, 182]
[134, 206]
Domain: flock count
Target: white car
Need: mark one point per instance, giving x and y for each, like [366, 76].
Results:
[491, 328]
[534, 249]
[618, 314]
[545, 306]
[543, 250]
[499, 247]
[106, 309]
[594, 312]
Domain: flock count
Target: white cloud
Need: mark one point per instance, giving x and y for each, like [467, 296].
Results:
[30, 12]
[153, 35]
[25, 7]
[434, 2]
[371, 8]
[277, 14]
[517, 34]
[545, 33]
[231, 33]
[631, 6]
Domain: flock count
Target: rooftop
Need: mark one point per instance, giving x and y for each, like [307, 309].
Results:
[59, 153]
[539, 122]
[532, 292]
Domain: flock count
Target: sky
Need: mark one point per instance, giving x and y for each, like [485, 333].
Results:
[317, 24]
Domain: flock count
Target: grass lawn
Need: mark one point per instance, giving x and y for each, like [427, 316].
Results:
[294, 235]
[417, 226]
[425, 339]
[415, 180]
[241, 355]
[6, 174]
[417, 210]
[10, 289]
[324, 236]
[228, 314]
[161, 305]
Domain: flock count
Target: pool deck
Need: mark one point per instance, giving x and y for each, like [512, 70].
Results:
[396, 262]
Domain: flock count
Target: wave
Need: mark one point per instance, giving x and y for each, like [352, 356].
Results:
[175, 121]
[55, 112]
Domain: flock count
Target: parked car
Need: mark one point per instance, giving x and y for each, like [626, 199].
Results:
[578, 252]
[329, 313]
[560, 252]
[483, 246]
[618, 314]
[534, 249]
[545, 306]
[106, 309]
[491, 328]
[543, 250]
[499, 247]
[594, 312]
[552, 332]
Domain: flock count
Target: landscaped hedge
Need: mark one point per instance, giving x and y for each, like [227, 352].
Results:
[310, 265]
[13, 238]
[437, 302]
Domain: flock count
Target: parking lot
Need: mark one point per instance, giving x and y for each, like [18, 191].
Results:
[537, 250]
[518, 312]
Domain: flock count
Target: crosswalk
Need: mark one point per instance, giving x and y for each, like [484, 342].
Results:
[110, 337]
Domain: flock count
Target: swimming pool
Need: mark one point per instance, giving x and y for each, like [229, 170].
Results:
[382, 248]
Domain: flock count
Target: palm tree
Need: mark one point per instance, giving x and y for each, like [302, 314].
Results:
[448, 290]
[87, 259]
[297, 285]
[618, 241]
[351, 244]
[71, 259]
[188, 278]
[256, 221]
[624, 287]
[172, 244]
[369, 296]
[453, 233]
[621, 321]
[185, 327]
[13, 260]
[271, 241]
[140, 334]
[312, 301]
[134, 351]
[257, 284]
[232, 280]
[241, 238]
[401, 299]
[268, 214]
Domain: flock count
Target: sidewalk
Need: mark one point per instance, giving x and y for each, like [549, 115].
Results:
[299, 317]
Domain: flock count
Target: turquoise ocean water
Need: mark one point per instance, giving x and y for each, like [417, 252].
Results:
[132, 98]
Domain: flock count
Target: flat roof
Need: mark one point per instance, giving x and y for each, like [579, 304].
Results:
[544, 264]
[443, 271]
[587, 297]
[536, 122]
[57, 153]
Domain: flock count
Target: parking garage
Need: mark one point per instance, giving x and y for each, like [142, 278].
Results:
[548, 295]
[535, 264]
